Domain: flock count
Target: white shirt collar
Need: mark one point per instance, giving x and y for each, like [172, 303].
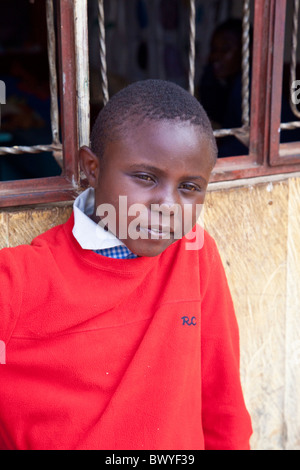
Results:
[90, 235]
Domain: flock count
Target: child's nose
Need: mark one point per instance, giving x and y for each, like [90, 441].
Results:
[168, 208]
[167, 201]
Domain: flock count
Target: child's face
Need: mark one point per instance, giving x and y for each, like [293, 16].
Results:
[163, 166]
[225, 54]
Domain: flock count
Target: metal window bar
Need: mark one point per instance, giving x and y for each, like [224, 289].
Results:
[242, 133]
[56, 146]
[52, 71]
[192, 47]
[82, 71]
[103, 67]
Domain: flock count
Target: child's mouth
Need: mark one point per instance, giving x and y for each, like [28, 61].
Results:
[158, 232]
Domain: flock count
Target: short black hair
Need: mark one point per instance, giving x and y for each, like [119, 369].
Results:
[153, 99]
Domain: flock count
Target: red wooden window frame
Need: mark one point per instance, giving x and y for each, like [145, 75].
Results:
[280, 154]
[266, 155]
[57, 188]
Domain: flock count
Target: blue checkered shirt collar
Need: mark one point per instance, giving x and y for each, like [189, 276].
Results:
[117, 252]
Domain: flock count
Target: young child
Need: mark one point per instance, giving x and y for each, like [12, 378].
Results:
[119, 327]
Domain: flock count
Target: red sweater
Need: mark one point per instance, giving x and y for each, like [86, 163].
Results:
[118, 354]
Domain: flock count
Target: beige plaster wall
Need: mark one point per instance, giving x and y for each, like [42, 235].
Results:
[256, 227]
[20, 226]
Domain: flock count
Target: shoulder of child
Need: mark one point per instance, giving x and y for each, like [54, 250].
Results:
[22, 268]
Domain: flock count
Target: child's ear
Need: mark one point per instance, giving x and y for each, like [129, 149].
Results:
[90, 165]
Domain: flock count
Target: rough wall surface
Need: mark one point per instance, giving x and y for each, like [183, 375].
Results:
[19, 227]
[257, 231]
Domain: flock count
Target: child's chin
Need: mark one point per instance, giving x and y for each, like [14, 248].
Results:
[149, 248]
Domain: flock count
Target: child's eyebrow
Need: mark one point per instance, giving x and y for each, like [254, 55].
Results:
[154, 169]
[142, 166]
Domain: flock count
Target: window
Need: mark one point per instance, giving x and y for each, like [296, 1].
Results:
[285, 146]
[267, 155]
[62, 72]
[137, 42]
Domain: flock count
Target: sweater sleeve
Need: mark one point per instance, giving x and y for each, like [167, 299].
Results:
[10, 292]
[226, 422]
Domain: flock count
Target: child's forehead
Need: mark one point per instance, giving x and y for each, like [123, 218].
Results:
[138, 132]
[161, 141]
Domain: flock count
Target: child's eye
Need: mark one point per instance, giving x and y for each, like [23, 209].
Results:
[144, 177]
[189, 187]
